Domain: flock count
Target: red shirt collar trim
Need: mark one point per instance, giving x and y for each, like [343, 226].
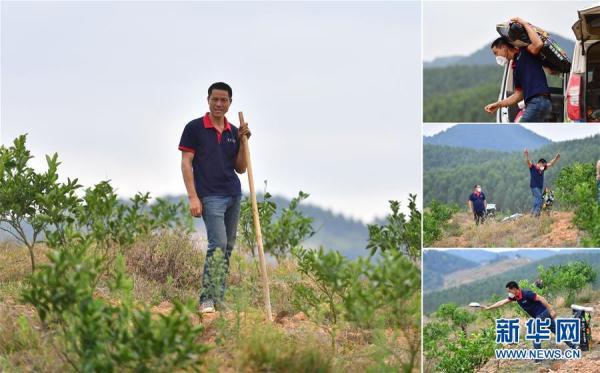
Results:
[208, 123]
[520, 295]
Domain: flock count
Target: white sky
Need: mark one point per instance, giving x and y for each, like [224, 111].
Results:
[462, 27]
[332, 99]
[552, 131]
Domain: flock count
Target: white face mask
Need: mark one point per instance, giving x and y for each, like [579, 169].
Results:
[478, 190]
[511, 295]
[502, 61]
[542, 168]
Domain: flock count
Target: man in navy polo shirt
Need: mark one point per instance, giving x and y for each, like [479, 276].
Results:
[211, 154]
[536, 182]
[533, 304]
[477, 204]
[528, 75]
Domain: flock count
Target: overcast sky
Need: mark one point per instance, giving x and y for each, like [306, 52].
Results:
[462, 27]
[552, 131]
[332, 97]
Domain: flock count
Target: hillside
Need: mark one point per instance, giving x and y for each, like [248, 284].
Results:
[456, 88]
[488, 136]
[440, 263]
[483, 290]
[452, 268]
[556, 230]
[482, 256]
[450, 173]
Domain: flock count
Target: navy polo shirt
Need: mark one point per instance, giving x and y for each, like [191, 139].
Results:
[529, 302]
[478, 200]
[214, 157]
[537, 177]
[529, 75]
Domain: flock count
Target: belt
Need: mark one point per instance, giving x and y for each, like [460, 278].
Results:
[547, 95]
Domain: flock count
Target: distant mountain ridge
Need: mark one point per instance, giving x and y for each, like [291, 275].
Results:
[488, 136]
[483, 55]
[333, 231]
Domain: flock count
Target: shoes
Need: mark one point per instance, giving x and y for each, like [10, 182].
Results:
[207, 306]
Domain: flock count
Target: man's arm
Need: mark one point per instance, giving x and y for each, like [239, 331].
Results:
[509, 101]
[241, 163]
[536, 43]
[527, 161]
[553, 161]
[499, 303]
[188, 179]
[470, 205]
[547, 305]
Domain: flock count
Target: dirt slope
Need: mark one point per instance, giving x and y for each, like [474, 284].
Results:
[555, 230]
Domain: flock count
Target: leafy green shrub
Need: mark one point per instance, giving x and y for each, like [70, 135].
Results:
[576, 189]
[329, 273]
[399, 233]
[281, 232]
[568, 279]
[450, 348]
[458, 317]
[377, 293]
[467, 353]
[100, 335]
[32, 200]
[435, 221]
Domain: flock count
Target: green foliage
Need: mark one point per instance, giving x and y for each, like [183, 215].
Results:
[399, 233]
[450, 347]
[32, 199]
[99, 335]
[330, 274]
[436, 220]
[459, 93]
[467, 353]
[450, 173]
[576, 189]
[458, 317]
[280, 232]
[86, 236]
[569, 278]
[380, 291]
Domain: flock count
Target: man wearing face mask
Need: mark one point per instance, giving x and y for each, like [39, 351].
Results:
[536, 182]
[533, 304]
[477, 204]
[529, 77]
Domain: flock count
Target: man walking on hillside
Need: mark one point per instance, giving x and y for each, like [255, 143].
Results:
[533, 304]
[536, 182]
[477, 204]
[528, 75]
[211, 154]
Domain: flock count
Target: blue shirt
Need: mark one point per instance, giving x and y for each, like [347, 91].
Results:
[478, 200]
[529, 75]
[528, 300]
[214, 157]
[537, 177]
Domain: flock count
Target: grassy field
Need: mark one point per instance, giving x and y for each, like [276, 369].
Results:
[168, 268]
